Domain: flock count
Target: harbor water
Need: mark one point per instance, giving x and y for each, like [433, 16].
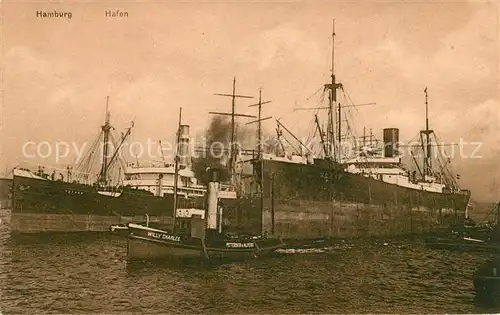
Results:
[90, 274]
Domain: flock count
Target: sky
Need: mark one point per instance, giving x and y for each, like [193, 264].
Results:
[58, 72]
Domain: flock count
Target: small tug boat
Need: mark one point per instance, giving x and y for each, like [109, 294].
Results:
[464, 244]
[118, 227]
[487, 283]
[196, 235]
[473, 239]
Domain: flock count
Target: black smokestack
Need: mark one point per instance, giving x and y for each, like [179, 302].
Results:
[213, 152]
[219, 130]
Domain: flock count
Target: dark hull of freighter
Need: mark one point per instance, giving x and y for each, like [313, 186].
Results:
[315, 201]
[5, 198]
[57, 206]
[45, 205]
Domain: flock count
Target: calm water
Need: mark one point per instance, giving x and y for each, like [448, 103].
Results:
[91, 275]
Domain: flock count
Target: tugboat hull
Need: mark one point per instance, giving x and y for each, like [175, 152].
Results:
[148, 249]
[145, 243]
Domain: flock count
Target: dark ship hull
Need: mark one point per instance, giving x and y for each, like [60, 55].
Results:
[57, 206]
[45, 205]
[316, 201]
[299, 202]
[5, 188]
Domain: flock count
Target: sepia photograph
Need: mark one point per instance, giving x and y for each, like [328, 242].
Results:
[249, 157]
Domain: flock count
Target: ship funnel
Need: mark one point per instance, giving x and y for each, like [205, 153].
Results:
[212, 196]
[183, 146]
[391, 142]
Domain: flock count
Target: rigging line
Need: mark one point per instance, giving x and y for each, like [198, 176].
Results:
[88, 152]
[83, 171]
[349, 98]
[84, 164]
[489, 213]
[118, 178]
[122, 160]
[123, 163]
[349, 116]
[312, 120]
[321, 96]
[119, 155]
[351, 131]
[91, 160]
[298, 105]
[116, 163]
[312, 132]
[416, 137]
[319, 101]
[290, 144]
[448, 166]
[114, 142]
[118, 148]
[308, 98]
[96, 142]
[94, 156]
[350, 110]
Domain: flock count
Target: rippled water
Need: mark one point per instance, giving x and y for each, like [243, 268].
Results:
[91, 275]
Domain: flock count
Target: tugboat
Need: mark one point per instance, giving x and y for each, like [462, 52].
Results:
[196, 233]
[485, 238]
[487, 283]
[197, 236]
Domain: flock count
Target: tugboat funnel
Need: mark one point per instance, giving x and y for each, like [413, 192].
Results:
[212, 202]
[183, 146]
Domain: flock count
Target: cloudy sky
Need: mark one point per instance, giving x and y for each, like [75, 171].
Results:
[58, 72]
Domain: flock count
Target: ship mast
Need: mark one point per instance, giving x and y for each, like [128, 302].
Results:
[339, 135]
[105, 129]
[260, 158]
[233, 150]
[427, 132]
[332, 87]
[332, 98]
[176, 171]
[259, 120]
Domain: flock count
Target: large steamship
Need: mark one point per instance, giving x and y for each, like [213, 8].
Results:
[370, 191]
[121, 192]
